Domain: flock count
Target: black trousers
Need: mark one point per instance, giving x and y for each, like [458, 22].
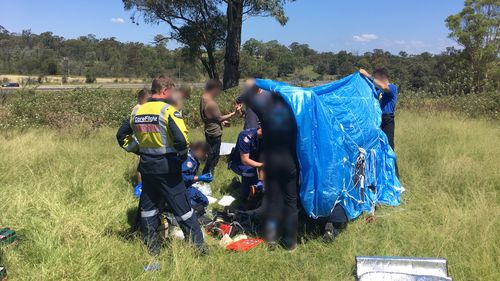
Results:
[337, 218]
[213, 153]
[281, 183]
[388, 126]
[158, 189]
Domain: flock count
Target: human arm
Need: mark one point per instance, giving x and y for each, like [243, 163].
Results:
[245, 160]
[124, 130]
[177, 129]
[189, 172]
[379, 84]
[189, 179]
[126, 139]
[214, 112]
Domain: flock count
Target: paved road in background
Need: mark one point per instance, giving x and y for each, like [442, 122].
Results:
[95, 86]
[5, 90]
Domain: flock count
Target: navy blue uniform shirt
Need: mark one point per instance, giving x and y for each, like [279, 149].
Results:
[388, 100]
[189, 169]
[248, 143]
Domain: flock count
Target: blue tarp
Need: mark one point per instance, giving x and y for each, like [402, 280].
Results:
[339, 126]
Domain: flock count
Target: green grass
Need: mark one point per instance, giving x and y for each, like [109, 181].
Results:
[69, 194]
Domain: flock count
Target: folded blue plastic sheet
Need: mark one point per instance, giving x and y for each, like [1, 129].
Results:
[344, 156]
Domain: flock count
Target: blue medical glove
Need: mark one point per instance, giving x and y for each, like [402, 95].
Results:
[259, 185]
[138, 190]
[206, 178]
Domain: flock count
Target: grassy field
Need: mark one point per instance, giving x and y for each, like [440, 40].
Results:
[69, 195]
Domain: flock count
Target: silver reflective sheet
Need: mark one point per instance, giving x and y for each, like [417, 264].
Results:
[430, 267]
[389, 276]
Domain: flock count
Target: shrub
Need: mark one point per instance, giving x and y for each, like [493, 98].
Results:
[89, 107]
[484, 105]
[97, 107]
[89, 77]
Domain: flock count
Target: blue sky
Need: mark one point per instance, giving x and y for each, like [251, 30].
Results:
[413, 26]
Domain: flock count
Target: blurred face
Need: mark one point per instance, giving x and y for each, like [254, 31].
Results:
[178, 100]
[199, 154]
[250, 83]
[166, 93]
[381, 78]
[214, 93]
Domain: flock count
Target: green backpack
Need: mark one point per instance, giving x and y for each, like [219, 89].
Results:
[7, 236]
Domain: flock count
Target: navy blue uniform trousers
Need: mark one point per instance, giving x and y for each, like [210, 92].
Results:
[158, 189]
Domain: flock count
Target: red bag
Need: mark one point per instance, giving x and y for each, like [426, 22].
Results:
[244, 245]
[225, 228]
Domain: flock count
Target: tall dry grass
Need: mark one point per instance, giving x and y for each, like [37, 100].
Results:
[68, 193]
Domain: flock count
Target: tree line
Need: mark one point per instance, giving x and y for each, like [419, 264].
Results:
[49, 54]
[205, 27]
[470, 69]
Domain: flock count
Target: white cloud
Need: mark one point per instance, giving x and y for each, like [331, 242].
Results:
[117, 20]
[365, 37]
[417, 44]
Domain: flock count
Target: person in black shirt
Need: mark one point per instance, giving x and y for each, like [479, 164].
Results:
[279, 134]
[251, 119]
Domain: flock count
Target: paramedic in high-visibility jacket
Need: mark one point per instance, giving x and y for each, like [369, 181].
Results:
[163, 144]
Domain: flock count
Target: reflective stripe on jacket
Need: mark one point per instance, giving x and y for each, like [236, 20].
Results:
[130, 144]
[159, 128]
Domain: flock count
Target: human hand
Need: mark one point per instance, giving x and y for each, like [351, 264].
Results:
[138, 190]
[226, 124]
[364, 73]
[206, 178]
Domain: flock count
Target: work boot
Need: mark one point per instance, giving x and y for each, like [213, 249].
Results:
[154, 249]
[154, 242]
[292, 248]
[330, 233]
[202, 250]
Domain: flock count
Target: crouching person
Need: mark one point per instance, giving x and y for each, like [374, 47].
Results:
[162, 141]
[328, 227]
[197, 152]
[244, 162]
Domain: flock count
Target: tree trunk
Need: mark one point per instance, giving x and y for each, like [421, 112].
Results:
[233, 43]
[210, 64]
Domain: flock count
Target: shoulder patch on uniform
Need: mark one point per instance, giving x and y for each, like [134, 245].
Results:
[246, 139]
[189, 164]
[178, 114]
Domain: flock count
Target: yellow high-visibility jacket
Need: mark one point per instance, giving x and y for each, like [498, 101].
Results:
[159, 129]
